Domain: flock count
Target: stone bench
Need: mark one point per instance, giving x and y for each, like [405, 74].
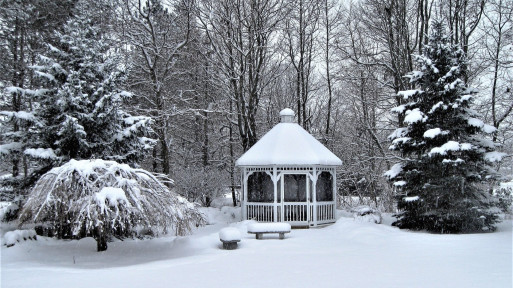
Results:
[269, 228]
[230, 237]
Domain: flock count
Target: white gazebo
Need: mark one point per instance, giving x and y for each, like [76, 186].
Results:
[289, 176]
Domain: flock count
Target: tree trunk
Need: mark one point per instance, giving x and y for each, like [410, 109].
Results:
[164, 154]
[328, 78]
[101, 239]
[232, 163]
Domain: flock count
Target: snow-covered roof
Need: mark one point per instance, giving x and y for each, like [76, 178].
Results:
[288, 143]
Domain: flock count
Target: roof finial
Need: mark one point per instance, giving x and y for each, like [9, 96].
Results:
[287, 115]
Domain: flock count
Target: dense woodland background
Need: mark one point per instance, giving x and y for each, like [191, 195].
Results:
[214, 74]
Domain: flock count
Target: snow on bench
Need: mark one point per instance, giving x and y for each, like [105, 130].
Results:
[229, 236]
[266, 228]
[12, 237]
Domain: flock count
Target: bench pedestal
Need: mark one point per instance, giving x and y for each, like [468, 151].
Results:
[258, 235]
[230, 245]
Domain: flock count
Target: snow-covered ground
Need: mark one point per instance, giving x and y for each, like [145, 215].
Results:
[349, 253]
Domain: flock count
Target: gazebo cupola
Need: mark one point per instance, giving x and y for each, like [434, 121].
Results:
[289, 176]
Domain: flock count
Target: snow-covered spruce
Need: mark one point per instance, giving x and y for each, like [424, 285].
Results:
[103, 198]
[79, 99]
[76, 107]
[447, 155]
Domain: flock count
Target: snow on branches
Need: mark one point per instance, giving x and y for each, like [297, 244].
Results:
[103, 198]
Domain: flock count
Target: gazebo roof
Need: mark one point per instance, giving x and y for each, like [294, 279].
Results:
[288, 143]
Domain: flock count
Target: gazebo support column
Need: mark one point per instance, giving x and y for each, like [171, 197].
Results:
[275, 184]
[244, 194]
[313, 177]
[334, 173]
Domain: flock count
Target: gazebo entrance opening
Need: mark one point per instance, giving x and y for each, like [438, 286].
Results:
[301, 198]
[295, 190]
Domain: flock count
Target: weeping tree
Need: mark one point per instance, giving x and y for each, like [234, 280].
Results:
[101, 199]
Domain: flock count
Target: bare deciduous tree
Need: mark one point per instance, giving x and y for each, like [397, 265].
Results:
[240, 35]
[158, 37]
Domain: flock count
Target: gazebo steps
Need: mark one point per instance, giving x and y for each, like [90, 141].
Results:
[300, 227]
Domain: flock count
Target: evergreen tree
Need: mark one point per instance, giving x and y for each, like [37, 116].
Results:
[446, 157]
[26, 26]
[79, 113]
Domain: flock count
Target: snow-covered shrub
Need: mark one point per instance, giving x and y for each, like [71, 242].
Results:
[12, 237]
[103, 198]
[12, 195]
[367, 214]
[201, 184]
[505, 197]
[359, 186]
[9, 212]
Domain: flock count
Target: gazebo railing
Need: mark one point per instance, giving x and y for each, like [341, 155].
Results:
[262, 212]
[325, 212]
[293, 212]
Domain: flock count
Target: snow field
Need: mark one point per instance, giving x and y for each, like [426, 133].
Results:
[348, 253]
